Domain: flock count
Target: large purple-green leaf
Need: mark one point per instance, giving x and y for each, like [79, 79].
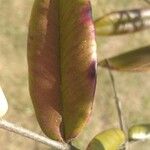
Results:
[135, 60]
[111, 139]
[62, 65]
[125, 21]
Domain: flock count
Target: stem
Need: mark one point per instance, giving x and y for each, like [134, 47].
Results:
[34, 136]
[118, 104]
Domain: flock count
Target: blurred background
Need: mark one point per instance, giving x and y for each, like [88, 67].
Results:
[133, 88]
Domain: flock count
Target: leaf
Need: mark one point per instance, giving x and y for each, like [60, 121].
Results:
[139, 132]
[121, 22]
[110, 139]
[62, 65]
[136, 60]
[3, 104]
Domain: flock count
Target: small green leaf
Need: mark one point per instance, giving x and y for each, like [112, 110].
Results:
[137, 60]
[139, 132]
[110, 139]
[125, 21]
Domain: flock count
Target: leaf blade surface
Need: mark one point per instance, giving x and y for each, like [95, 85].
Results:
[135, 60]
[62, 65]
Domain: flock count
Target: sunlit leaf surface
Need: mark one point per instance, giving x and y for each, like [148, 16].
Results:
[139, 132]
[121, 22]
[3, 104]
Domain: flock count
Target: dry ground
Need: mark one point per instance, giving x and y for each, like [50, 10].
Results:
[133, 89]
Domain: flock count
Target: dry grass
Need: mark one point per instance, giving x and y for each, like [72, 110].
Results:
[132, 88]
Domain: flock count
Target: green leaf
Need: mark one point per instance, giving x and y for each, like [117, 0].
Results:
[136, 60]
[139, 132]
[111, 139]
[62, 65]
[121, 22]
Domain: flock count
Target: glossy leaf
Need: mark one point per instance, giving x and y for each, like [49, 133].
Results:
[62, 65]
[121, 22]
[111, 139]
[3, 103]
[136, 60]
[139, 132]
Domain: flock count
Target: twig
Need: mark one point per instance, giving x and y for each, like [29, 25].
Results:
[34, 136]
[118, 104]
